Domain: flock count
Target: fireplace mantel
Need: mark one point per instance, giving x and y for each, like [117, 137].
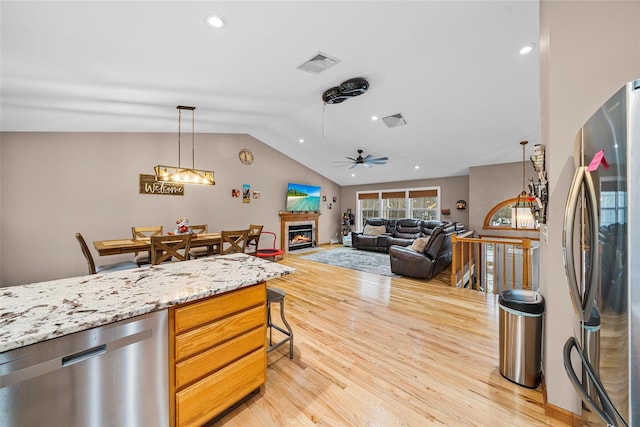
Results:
[287, 217]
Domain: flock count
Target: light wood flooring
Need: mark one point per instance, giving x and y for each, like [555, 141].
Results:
[372, 350]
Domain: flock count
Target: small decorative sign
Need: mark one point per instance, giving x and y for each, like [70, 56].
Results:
[149, 185]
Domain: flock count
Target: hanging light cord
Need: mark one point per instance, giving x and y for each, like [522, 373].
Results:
[193, 127]
[523, 143]
[193, 150]
[179, 119]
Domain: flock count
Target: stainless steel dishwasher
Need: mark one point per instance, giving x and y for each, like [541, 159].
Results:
[112, 375]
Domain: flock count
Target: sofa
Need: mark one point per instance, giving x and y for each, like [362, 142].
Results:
[428, 259]
[380, 234]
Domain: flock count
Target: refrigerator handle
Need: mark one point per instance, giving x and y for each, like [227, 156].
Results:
[608, 412]
[581, 304]
[567, 241]
[594, 250]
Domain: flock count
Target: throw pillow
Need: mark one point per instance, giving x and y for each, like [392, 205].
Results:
[374, 230]
[419, 244]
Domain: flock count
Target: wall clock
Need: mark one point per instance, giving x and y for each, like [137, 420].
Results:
[246, 156]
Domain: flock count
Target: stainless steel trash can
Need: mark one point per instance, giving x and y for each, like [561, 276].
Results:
[520, 326]
[591, 348]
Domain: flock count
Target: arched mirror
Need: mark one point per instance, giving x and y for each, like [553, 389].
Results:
[501, 217]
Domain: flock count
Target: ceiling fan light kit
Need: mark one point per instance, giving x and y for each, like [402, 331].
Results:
[347, 89]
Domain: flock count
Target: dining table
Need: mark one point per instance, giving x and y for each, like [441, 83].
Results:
[212, 241]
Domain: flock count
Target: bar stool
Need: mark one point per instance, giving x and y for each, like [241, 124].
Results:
[276, 295]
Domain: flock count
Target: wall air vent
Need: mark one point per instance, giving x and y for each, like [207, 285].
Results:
[394, 120]
[318, 63]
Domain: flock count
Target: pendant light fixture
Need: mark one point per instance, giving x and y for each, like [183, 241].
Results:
[521, 215]
[180, 175]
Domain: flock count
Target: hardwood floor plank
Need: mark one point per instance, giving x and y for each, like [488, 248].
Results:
[386, 351]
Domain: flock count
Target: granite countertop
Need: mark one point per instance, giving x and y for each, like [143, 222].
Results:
[40, 311]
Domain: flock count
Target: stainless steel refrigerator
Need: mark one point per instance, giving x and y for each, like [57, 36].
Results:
[601, 242]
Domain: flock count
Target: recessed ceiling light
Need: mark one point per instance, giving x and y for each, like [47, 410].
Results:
[416, 167]
[216, 21]
[352, 175]
[301, 141]
[527, 49]
[374, 118]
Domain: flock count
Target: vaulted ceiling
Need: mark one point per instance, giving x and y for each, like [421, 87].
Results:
[451, 68]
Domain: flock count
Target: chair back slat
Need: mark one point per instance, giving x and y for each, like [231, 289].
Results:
[200, 228]
[233, 241]
[144, 232]
[164, 248]
[86, 253]
[253, 239]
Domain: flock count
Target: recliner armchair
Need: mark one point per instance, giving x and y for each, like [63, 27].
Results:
[425, 264]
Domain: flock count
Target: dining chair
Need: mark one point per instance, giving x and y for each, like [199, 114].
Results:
[165, 248]
[253, 238]
[109, 268]
[201, 251]
[233, 241]
[145, 233]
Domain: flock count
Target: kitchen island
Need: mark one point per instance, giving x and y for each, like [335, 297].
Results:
[214, 310]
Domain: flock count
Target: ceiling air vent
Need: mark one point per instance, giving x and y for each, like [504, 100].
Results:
[394, 120]
[318, 63]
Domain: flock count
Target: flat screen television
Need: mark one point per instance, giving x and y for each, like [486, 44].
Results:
[303, 198]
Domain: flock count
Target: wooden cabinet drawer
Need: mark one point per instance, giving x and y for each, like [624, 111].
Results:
[207, 398]
[212, 334]
[211, 360]
[199, 313]
[217, 349]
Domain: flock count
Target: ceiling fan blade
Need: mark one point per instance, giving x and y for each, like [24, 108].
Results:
[377, 159]
[353, 165]
[352, 159]
[367, 165]
[367, 157]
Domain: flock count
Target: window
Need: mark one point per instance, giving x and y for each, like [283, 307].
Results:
[394, 204]
[501, 217]
[420, 203]
[424, 204]
[368, 207]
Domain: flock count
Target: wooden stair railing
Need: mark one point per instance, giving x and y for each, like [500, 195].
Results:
[473, 263]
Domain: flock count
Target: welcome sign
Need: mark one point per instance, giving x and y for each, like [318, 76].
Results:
[149, 185]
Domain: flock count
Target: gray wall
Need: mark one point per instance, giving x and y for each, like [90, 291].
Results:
[452, 189]
[588, 49]
[88, 183]
[490, 185]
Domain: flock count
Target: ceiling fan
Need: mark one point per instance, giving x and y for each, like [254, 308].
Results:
[367, 161]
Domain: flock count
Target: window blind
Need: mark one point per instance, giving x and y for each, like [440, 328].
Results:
[368, 196]
[414, 194]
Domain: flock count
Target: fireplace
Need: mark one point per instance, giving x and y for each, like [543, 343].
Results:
[292, 219]
[300, 236]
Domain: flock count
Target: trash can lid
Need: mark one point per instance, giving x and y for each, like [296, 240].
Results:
[522, 300]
